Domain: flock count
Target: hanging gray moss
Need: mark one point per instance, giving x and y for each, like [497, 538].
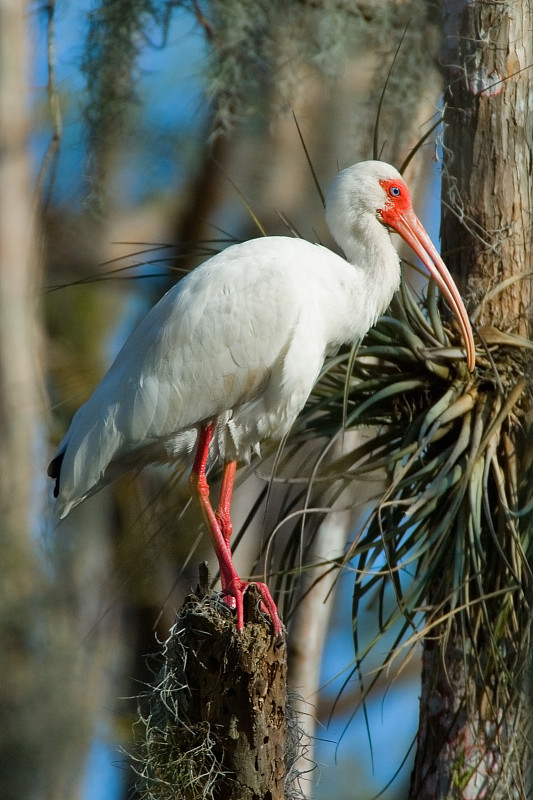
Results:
[254, 47]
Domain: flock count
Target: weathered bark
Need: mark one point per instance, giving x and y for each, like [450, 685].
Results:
[457, 757]
[216, 725]
[471, 742]
[487, 187]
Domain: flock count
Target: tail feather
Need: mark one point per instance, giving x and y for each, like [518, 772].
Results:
[54, 471]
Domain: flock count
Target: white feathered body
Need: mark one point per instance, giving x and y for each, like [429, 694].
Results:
[240, 341]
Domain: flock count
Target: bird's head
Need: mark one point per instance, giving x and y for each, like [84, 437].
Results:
[373, 191]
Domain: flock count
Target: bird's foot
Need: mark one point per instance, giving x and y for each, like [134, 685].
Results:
[230, 601]
[233, 593]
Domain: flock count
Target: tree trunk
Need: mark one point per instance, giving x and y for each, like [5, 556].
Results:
[19, 405]
[45, 718]
[19, 387]
[216, 723]
[487, 187]
[471, 744]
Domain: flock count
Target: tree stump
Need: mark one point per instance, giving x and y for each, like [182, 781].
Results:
[215, 718]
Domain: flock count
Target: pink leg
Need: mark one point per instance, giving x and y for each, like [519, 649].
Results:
[223, 513]
[219, 528]
[200, 489]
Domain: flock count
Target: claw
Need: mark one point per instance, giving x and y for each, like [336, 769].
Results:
[233, 593]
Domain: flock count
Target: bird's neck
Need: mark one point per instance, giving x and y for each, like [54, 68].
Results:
[374, 256]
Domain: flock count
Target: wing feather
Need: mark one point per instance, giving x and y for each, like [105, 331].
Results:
[207, 347]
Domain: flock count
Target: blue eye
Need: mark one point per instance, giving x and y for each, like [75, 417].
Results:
[395, 191]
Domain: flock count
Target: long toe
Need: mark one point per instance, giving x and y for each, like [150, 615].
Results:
[233, 594]
[270, 607]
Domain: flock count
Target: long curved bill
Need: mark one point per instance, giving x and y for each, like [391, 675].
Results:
[407, 224]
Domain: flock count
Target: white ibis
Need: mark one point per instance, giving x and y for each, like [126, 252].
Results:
[228, 357]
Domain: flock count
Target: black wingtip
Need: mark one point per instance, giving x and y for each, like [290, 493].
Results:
[54, 471]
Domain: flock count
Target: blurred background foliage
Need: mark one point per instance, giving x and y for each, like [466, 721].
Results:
[161, 132]
[181, 117]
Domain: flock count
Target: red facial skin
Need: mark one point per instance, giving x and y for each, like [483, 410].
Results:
[398, 214]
